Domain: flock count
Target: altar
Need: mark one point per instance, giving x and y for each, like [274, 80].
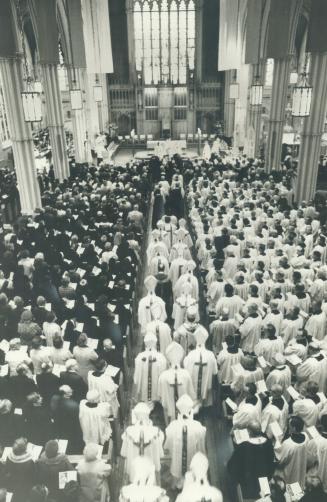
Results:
[167, 147]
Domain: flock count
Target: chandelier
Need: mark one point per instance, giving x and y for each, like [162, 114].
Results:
[301, 99]
[256, 92]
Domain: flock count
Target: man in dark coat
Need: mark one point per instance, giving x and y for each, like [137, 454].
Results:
[71, 378]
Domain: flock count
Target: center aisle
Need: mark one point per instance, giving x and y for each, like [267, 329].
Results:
[218, 441]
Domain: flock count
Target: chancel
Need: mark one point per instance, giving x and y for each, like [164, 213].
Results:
[163, 228]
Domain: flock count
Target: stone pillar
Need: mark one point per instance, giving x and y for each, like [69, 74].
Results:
[278, 104]
[78, 118]
[313, 125]
[55, 120]
[255, 123]
[241, 107]
[229, 105]
[21, 136]
[104, 103]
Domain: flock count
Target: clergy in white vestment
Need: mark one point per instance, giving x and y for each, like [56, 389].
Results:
[274, 316]
[177, 268]
[314, 367]
[184, 437]
[158, 263]
[174, 382]
[227, 358]
[206, 154]
[142, 487]
[182, 303]
[180, 249]
[250, 329]
[145, 304]
[216, 289]
[149, 365]
[142, 439]
[202, 366]
[317, 322]
[280, 374]
[230, 265]
[156, 246]
[189, 277]
[185, 334]
[94, 419]
[170, 228]
[220, 329]
[232, 302]
[275, 411]
[292, 454]
[246, 372]
[269, 344]
[101, 381]
[182, 233]
[196, 485]
[250, 408]
[317, 453]
[160, 329]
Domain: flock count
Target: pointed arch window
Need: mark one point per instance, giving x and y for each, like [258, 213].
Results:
[164, 37]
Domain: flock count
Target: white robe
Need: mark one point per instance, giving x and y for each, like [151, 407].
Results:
[156, 247]
[274, 319]
[94, 422]
[177, 268]
[144, 309]
[233, 303]
[179, 249]
[184, 335]
[157, 261]
[107, 389]
[271, 414]
[281, 375]
[268, 348]
[250, 332]
[202, 385]
[188, 277]
[140, 493]
[246, 414]
[226, 360]
[308, 410]
[139, 440]
[146, 374]
[195, 442]
[215, 291]
[220, 329]
[167, 392]
[163, 333]
[317, 452]
[195, 492]
[293, 460]
[316, 325]
[180, 308]
[315, 370]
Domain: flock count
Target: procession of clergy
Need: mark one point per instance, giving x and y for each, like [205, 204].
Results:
[262, 265]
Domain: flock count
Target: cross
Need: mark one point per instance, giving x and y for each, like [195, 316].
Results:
[175, 387]
[141, 444]
[158, 338]
[151, 360]
[200, 374]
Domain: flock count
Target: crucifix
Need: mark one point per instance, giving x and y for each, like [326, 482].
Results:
[184, 450]
[175, 388]
[158, 338]
[201, 365]
[141, 444]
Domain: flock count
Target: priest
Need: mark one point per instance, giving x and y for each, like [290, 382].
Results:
[142, 486]
[149, 365]
[202, 366]
[174, 382]
[184, 437]
[148, 301]
[185, 334]
[159, 328]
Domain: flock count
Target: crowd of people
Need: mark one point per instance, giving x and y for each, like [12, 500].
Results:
[234, 318]
[68, 277]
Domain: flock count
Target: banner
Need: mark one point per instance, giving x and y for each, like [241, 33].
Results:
[47, 30]
[230, 40]
[8, 45]
[97, 38]
[75, 24]
[281, 17]
[253, 29]
[317, 40]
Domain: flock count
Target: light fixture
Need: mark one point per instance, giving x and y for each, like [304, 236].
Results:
[76, 98]
[256, 92]
[31, 98]
[234, 88]
[301, 99]
[97, 93]
[293, 77]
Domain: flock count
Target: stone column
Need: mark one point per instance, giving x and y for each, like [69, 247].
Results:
[313, 126]
[282, 68]
[21, 136]
[255, 123]
[55, 120]
[229, 105]
[241, 107]
[78, 118]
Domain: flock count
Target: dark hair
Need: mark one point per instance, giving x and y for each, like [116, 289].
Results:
[297, 423]
[57, 342]
[100, 364]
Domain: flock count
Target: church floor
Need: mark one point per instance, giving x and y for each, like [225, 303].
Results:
[219, 444]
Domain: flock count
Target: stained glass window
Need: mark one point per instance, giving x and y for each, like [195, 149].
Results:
[164, 36]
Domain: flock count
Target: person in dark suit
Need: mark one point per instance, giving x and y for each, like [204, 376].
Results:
[21, 385]
[65, 412]
[47, 382]
[71, 378]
